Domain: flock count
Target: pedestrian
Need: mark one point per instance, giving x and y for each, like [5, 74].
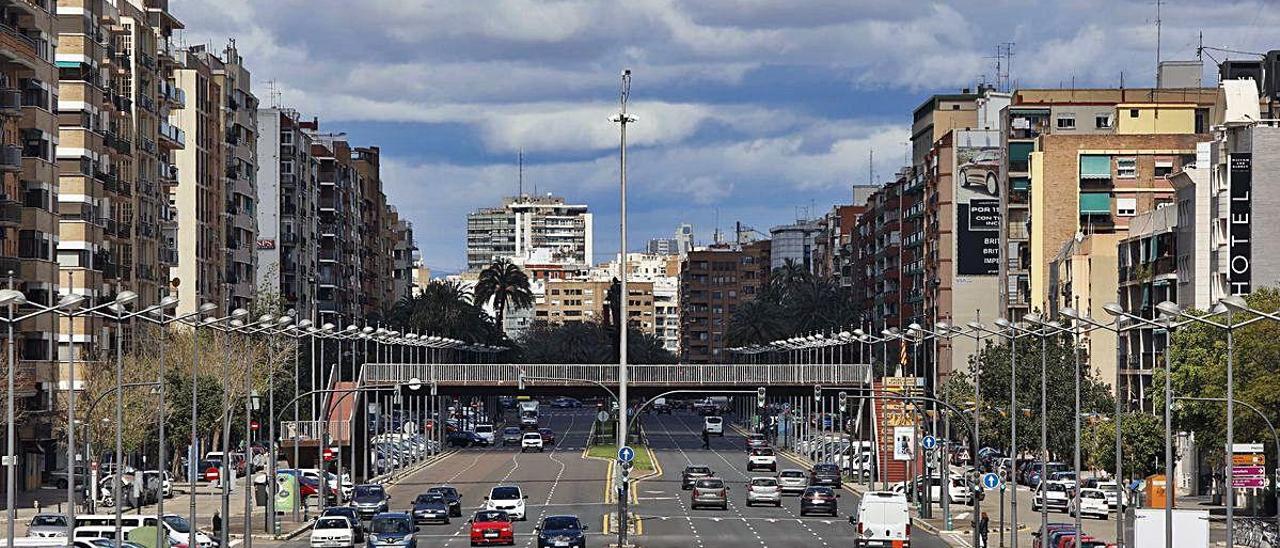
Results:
[217, 524]
[983, 523]
[706, 439]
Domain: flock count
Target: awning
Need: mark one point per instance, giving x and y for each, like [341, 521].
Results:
[1020, 151]
[1020, 183]
[1095, 166]
[1095, 203]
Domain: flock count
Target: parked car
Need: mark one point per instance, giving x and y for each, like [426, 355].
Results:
[793, 481]
[61, 477]
[691, 474]
[709, 492]
[764, 490]
[333, 532]
[1116, 497]
[819, 499]
[561, 531]
[490, 527]
[464, 438]
[47, 525]
[1093, 502]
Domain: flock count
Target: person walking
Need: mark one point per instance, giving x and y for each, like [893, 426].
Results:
[706, 439]
[216, 522]
[983, 524]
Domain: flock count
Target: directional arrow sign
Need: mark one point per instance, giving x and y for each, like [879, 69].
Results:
[991, 480]
[626, 454]
[929, 442]
[1248, 471]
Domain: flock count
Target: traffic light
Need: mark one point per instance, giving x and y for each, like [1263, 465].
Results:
[817, 392]
[843, 397]
[760, 397]
[520, 381]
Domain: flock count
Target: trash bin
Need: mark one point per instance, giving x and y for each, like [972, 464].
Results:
[260, 494]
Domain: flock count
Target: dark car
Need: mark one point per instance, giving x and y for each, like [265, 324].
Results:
[430, 507]
[692, 474]
[464, 438]
[982, 171]
[451, 496]
[511, 436]
[825, 474]
[565, 403]
[351, 514]
[561, 531]
[392, 530]
[548, 436]
[820, 500]
[369, 499]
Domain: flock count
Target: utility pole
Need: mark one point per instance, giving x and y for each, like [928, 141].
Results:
[622, 119]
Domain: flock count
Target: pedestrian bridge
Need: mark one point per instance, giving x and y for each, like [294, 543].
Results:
[656, 376]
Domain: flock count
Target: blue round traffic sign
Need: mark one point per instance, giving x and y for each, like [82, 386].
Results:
[991, 480]
[626, 454]
[929, 442]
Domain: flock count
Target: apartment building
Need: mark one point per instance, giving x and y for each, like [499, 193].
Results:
[524, 224]
[1083, 276]
[197, 222]
[1147, 275]
[239, 130]
[585, 301]
[404, 257]
[663, 272]
[373, 233]
[679, 244]
[877, 273]
[796, 242]
[338, 272]
[713, 282]
[1034, 113]
[29, 220]
[288, 190]
[833, 247]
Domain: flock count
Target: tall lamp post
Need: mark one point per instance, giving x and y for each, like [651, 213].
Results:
[622, 119]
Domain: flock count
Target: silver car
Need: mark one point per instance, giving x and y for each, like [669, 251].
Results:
[764, 491]
[792, 481]
[47, 525]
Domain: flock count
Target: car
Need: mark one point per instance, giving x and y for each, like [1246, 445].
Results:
[464, 438]
[530, 442]
[661, 407]
[529, 419]
[565, 403]
[713, 425]
[820, 499]
[491, 527]
[548, 436]
[1068, 540]
[982, 171]
[1052, 494]
[47, 525]
[792, 481]
[825, 474]
[351, 514]
[561, 532]
[430, 507]
[883, 519]
[764, 490]
[333, 532]
[451, 496]
[1050, 529]
[756, 440]
[511, 436]
[1115, 495]
[1067, 477]
[369, 499]
[485, 433]
[1093, 502]
[1033, 474]
[392, 530]
[509, 499]
[762, 458]
[709, 492]
[163, 478]
[61, 477]
[692, 474]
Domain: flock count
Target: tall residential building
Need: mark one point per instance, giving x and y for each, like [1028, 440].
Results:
[663, 271]
[373, 234]
[197, 219]
[421, 276]
[877, 264]
[1034, 113]
[288, 195]
[679, 244]
[338, 273]
[833, 247]
[584, 301]
[795, 242]
[239, 130]
[29, 129]
[1148, 275]
[713, 282]
[404, 257]
[524, 225]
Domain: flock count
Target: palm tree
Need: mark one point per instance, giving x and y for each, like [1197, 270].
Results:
[757, 321]
[447, 309]
[506, 284]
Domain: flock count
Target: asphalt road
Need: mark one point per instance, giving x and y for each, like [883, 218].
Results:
[669, 522]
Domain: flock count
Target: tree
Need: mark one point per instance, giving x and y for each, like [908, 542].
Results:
[1142, 453]
[794, 302]
[757, 321]
[587, 342]
[507, 285]
[445, 308]
[993, 362]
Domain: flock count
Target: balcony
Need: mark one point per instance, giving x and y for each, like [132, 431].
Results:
[17, 46]
[168, 173]
[172, 136]
[11, 102]
[10, 214]
[11, 158]
[175, 96]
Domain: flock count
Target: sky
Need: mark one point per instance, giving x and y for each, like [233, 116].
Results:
[751, 111]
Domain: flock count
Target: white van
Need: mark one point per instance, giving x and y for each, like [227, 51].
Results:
[485, 431]
[883, 519]
[713, 425]
[529, 405]
[93, 525]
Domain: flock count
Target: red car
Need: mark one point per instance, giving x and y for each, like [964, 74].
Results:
[490, 527]
[548, 436]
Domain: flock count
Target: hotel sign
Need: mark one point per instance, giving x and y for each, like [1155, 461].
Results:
[1239, 248]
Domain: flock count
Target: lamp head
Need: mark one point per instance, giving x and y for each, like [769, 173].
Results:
[1032, 317]
[284, 320]
[304, 324]
[1235, 303]
[126, 297]
[1003, 323]
[326, 327]
[975, 326]
[266, 318]
[1113, 309]
[943, 326]
[70, 301]
[1069, 313]
[239, 313]
[169, 301]
[12, 296]
[411, 336]
[207, 308]
[886, 333]
[367, 330]
[913, 327]
[237, 323]
[1170, 308]
[859, 332]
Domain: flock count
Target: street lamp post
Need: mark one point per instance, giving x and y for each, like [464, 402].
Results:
[622, 119]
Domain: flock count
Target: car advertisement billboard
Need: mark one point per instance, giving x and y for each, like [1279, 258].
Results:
[978, 159]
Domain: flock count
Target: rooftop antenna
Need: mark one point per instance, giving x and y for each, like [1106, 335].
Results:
[520, 174]
[871, 166]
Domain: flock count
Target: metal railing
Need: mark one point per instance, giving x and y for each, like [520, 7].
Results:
[751, 375]
[311, 430]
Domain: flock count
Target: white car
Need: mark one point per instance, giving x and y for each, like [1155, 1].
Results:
[765, 491]
[333, 532]
[1051, 494]
[507, 498]
[713, 425]
[1093, 502]
[531, 441]
[1114, 495]
[485, 432]
[762, 458]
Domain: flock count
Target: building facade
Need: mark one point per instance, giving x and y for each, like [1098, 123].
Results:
[713, 282]
[523, 225]
[288, 190]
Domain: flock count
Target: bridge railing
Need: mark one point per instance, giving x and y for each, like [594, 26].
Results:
[639, 375]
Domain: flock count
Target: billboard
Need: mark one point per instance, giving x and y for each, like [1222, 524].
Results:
[1240, 273]
[977, 201]
[904, 443]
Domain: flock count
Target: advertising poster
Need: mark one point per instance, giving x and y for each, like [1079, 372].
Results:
[904, 442]
[977, 204]
[286, 492]
[1240, 275]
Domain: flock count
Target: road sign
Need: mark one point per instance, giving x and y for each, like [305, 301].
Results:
[1246, 448]
[253, 425]
[1255, 482]
[211, 474]
[328, 454]
[626, 454]
[929, 442]
[1245, 471]
[991, 480]
[1257, 459]
[602, 416]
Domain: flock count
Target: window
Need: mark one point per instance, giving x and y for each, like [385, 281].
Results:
[1102, 121]
[1067, 122]
[1163, 168]
[1133, 113]
[1126, 207]
[1126, 168]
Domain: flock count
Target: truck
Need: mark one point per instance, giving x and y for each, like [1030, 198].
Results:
[529, 405]
[1146, 528]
